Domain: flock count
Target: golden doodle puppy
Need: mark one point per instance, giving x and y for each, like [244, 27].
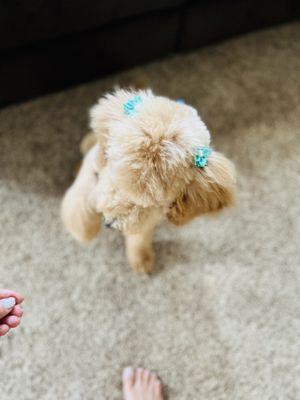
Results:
[148, 158]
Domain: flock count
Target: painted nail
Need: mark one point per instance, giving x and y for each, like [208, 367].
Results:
[127, 373]
[8, 303]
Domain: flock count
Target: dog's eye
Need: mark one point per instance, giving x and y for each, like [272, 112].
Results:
[96, 174]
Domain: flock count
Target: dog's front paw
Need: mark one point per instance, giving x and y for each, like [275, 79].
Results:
[142, 261]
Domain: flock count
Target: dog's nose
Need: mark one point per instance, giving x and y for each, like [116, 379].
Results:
[108, 223]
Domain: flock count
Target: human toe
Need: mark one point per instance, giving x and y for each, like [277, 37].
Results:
[128, 377]
[17, 311]
[12, 321]
[6, 305]
[4, 329]
[5, 293]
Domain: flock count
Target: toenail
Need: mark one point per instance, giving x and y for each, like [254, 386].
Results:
[8, 303]
[128, 372]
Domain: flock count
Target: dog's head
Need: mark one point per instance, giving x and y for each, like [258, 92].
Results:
[145, 168]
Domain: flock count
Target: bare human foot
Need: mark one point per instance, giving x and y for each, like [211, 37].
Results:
[141, 384]
[10, 310]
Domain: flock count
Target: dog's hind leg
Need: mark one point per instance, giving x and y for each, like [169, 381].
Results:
[87, 143]
[77, 211]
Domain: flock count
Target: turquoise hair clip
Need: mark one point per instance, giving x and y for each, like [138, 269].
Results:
[201, 155]
[130, 105]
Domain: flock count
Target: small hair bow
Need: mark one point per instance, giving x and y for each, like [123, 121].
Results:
[201, 155]
[130, 105]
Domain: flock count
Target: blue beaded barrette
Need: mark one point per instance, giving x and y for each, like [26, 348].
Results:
[201, 155]
[130, 105]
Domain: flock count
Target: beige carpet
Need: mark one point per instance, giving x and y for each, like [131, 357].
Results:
[220, 318]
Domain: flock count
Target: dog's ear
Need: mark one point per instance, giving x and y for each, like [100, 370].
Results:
[211, 190]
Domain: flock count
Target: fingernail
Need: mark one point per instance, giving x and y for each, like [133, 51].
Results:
[127, 373]
[8, 303]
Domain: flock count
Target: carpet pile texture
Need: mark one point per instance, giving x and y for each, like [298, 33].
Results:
[220, 318]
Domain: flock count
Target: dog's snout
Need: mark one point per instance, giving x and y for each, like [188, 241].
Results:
[109, 223]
